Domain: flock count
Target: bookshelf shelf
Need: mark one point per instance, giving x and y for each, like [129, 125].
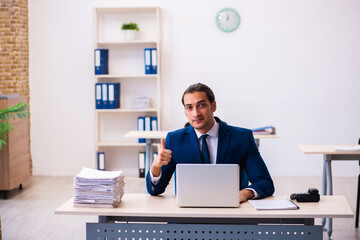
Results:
[107, 76]
[128, 110]
[127, 42]
[126, 66]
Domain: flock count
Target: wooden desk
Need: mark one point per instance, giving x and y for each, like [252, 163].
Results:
[155, 136]
[330, 154]
[145, 214]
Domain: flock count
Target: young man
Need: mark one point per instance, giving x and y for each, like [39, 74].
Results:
[224, 144]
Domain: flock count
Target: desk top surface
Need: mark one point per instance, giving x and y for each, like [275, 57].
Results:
[162, 134]
[144, 205]
[326, 149]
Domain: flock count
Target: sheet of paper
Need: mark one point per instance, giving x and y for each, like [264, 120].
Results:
[89, 173]
[347, 148]
[285, 204]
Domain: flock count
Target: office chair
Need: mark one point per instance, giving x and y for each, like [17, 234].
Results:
[357, 200]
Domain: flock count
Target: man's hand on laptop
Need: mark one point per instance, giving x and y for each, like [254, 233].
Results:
[245, 195]
[163, 158]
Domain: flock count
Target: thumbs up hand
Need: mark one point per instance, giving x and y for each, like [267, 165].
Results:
[163, 158]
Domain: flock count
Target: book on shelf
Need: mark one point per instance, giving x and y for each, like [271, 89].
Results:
[141, 164]
[147, 60]
[154, 124]
[141, 127]
[101, 61]
[104, 95]
[264, 130]
[107, 95]
[150, 60]
[101, 161]
[114, 95]
[154, 61]
[98, 96]
[147, 123]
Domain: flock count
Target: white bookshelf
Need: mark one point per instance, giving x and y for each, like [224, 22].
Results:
[126, 66]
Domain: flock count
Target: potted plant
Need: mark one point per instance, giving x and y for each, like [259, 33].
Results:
[130, 29]
[20, 110]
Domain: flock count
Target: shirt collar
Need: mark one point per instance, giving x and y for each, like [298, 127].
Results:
[213, 132]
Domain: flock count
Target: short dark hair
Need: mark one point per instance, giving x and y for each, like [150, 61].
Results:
[199, 87]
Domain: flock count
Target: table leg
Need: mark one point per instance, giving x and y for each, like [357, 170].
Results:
[329, 191]
[329, 177]
[151, 153]
[148, 155]
[357, 202]
[324, 187]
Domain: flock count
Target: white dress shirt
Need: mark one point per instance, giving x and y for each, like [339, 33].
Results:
[211, 140]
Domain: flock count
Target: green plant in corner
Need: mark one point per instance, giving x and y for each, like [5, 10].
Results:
[130, 26]
[20, 110]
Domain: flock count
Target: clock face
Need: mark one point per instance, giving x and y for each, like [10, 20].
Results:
[227, 19]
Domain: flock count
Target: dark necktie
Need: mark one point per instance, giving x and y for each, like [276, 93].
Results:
[205, 150]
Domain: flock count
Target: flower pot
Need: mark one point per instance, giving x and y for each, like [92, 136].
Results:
[129, 35]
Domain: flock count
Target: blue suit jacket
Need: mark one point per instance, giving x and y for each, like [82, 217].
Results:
[235, 145]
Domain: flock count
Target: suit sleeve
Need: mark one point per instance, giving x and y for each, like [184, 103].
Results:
[257, 171]
[166, 174]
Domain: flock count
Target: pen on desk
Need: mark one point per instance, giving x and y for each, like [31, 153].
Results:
[294, 204]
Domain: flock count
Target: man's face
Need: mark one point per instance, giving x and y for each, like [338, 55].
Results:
[199, 111]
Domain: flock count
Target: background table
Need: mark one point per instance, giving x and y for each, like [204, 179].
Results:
[330, 154]
[158, 211]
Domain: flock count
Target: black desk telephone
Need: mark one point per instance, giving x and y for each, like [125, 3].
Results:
[311, 196]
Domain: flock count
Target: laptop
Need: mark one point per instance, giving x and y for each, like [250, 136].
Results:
[207, 185]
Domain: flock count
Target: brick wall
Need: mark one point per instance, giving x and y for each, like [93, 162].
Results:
[14, 47]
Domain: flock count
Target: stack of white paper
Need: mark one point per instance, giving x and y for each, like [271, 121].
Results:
[94, 188]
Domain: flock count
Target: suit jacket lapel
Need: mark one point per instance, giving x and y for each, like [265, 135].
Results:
[223, 142]
[191, 138]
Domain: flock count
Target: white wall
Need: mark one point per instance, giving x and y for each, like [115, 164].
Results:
[291, 64]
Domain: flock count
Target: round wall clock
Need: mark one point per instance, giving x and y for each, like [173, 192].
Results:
[227, 19]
